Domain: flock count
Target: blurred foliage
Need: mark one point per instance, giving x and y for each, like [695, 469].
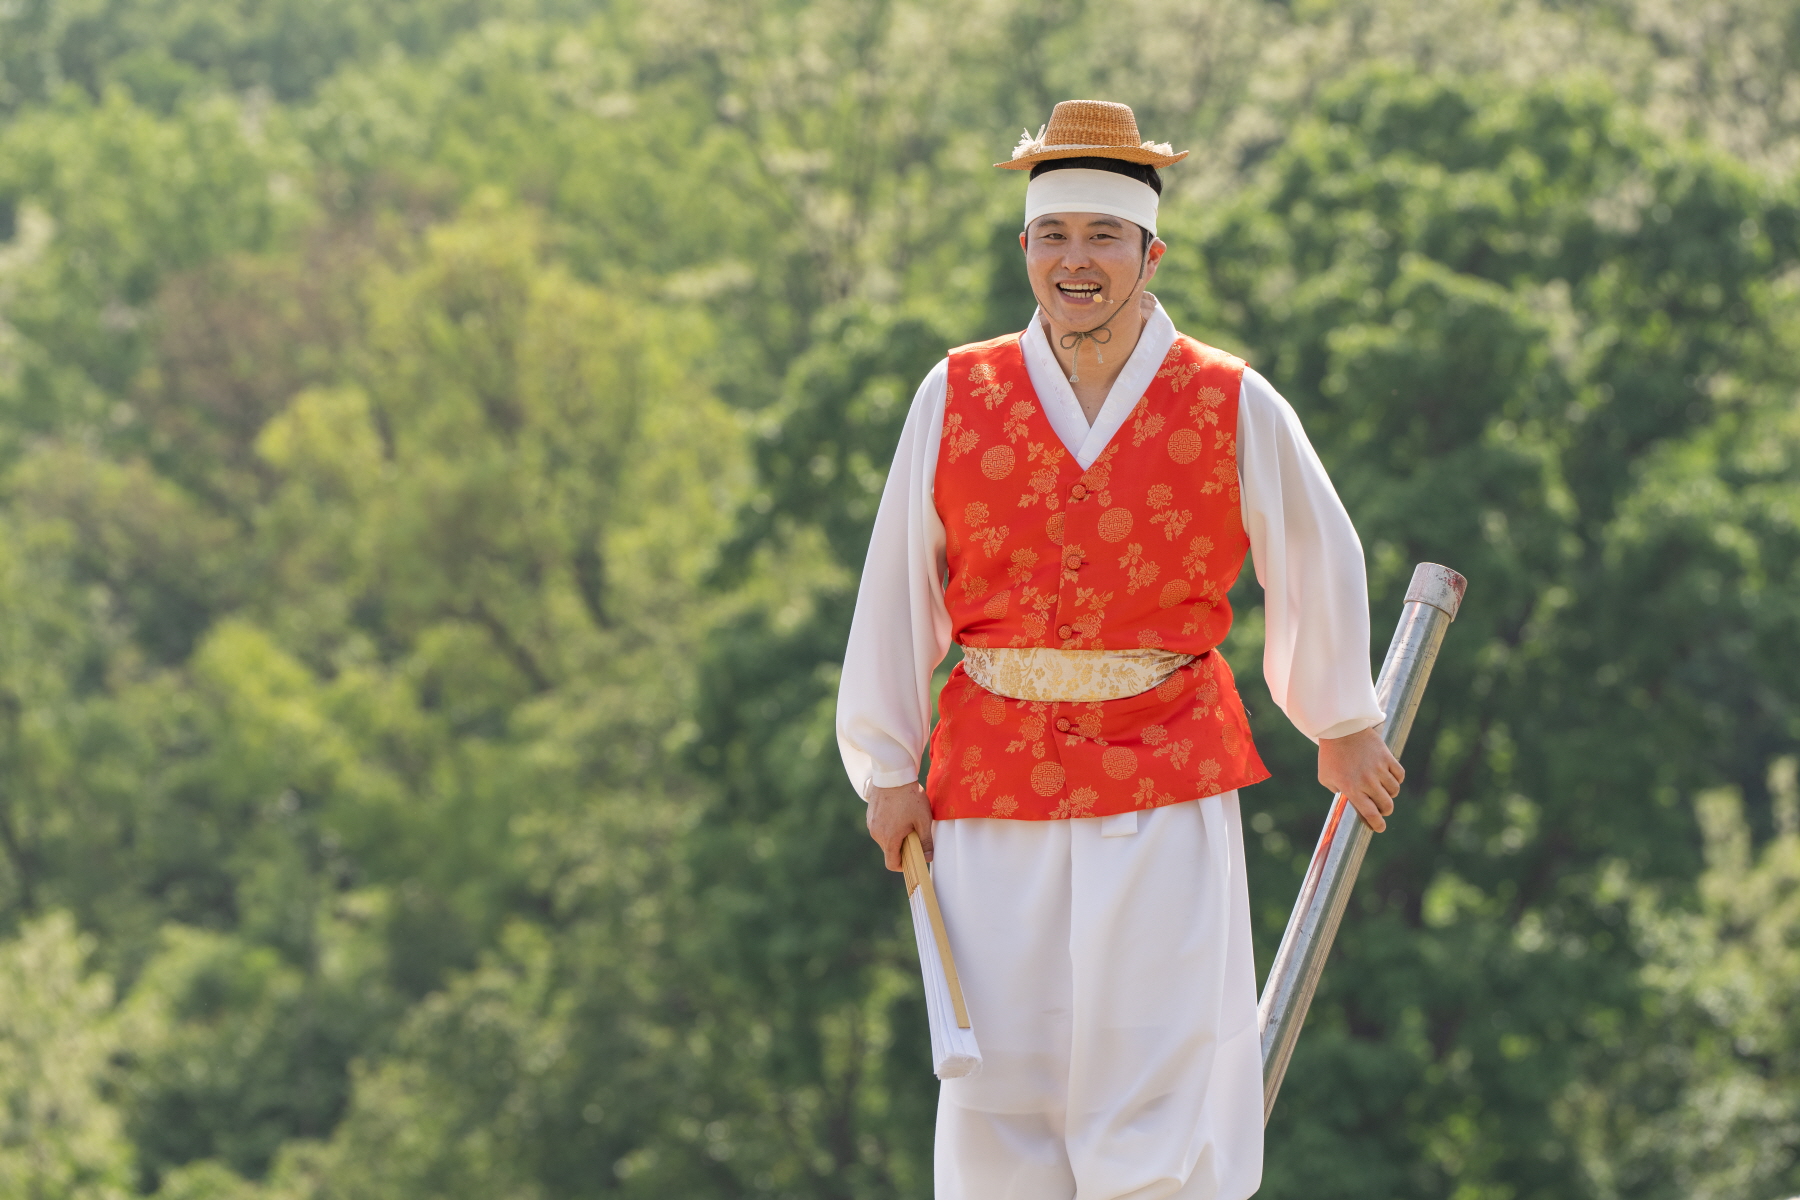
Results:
[438, 441]
[1697, 1099]
[61, 1136]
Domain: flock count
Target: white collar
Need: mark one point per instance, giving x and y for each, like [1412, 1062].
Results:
[1057, 398]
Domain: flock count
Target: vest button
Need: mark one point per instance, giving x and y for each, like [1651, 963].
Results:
[1062, 724]
[1078, 492]
[1073, 561]
[1065, 631]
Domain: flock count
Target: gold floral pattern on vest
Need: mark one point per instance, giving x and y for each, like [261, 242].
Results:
[1132, 556]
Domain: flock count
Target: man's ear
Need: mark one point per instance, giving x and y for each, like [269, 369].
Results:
[1158, 248]
[1021, 239]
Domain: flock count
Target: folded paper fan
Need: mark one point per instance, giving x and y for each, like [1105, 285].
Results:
[953, 1049]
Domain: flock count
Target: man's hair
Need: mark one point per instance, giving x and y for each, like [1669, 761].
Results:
[1142, 172]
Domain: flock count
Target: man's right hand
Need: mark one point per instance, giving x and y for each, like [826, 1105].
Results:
[895, 812]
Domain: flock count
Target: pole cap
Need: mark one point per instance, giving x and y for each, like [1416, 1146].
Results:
[1437, 586]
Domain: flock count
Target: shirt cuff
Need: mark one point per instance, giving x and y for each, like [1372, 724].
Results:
[1346, 728]
[888, 779]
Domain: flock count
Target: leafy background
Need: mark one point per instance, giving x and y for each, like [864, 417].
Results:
[438, 441]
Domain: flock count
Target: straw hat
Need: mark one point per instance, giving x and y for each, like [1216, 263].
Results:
[1090, 129]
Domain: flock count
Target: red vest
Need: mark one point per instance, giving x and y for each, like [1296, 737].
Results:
[1136, 551]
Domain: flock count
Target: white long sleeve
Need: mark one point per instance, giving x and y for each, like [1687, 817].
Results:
[1309, 562]
[901, 630]
[1306, 553]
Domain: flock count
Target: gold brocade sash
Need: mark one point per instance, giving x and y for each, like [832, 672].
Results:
[1043, 674]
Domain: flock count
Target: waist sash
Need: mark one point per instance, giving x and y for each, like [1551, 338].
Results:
[1043, 674]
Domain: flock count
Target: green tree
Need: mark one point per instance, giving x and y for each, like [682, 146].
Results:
[1699, 1099]
[60, 1137]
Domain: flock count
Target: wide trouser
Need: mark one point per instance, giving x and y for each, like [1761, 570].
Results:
[1107, 968]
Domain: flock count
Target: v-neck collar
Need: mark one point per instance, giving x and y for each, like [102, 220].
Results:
[1057, 398]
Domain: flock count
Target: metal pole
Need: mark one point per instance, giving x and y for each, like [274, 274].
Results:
[1431, 604]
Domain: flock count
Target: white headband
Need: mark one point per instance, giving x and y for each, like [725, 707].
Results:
[1079, 189]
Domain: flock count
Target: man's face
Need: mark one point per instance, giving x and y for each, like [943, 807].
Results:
[1082, 265]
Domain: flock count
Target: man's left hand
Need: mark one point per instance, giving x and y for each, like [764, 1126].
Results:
[1361, 766]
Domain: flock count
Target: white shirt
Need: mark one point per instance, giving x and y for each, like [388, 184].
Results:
[1306, 554]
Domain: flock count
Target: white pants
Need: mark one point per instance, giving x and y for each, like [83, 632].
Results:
[1107, 967]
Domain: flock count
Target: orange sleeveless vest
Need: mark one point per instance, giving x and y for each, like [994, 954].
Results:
[1136, 551]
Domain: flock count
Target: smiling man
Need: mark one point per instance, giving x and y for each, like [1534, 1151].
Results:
[1070, 505]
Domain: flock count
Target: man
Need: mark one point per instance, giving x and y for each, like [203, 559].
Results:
[1070, 505]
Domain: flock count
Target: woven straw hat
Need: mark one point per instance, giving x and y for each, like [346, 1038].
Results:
[1090, 129]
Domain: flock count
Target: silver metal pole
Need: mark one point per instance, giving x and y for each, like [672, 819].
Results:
[1431, 604]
